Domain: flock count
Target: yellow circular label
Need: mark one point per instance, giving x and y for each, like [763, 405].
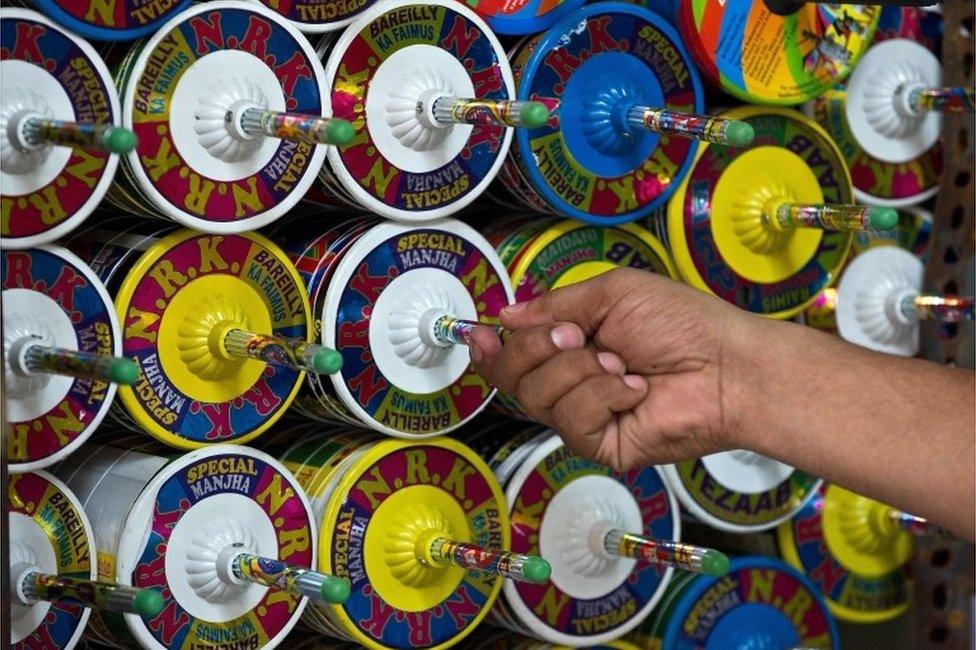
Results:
[391, 554]
[184, 343]
[182, 292]
[756, 181]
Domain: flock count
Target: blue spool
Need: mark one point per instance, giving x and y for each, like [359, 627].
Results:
[589, 164]
[762, 604]
[528, 20]
[133, 27]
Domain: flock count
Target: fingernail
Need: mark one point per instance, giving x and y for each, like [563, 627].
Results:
[567, 337]
[636, 382]
[514, 309]
[476, 354]
[611, 362]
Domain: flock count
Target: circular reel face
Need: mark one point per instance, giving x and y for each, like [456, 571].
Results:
[398, 165]
[48, 72]
[740, 491]
[51, 294]
[582, 162]
[715, 228]
[316, 16]
[209, 60]
[850, 597]
[181, 290]
[525, 17]
[557, 499]
[48, 530]
[759, 602]
[571, 252]
[122, 20]
[391, 379]
[864, 315]
[385, 498]
[195, 507]
[764, 58]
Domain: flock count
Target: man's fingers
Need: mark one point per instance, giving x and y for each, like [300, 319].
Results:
[582, 414]
[584, 303]
[484, 346]
[524, 351]
[539, 389]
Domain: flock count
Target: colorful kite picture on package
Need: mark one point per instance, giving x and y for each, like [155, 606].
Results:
[764, 58]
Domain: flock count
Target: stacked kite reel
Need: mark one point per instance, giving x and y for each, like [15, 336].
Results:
[243, 245]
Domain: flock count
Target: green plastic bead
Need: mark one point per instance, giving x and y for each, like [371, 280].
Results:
[335, 590]
[740, 134]
[339, 131]
[123, 371]
[536, 570]
[882, 218]
[120, 140]
[148, 603]
[715, 563]
[326, 361]
[534, 115]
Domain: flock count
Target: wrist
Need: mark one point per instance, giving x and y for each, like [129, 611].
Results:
[749, 354]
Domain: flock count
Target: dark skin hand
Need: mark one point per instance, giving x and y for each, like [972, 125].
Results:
[633, 369]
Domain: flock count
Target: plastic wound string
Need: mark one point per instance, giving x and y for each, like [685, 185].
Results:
[708, 128]
[666, 553]
[297, 354]
[297, 580]
[945, 100]
[59, 361]
[37, 586]
[509, 113]
[38, 132]
[457, 331]
[945, 309]
[295, 127]
[512, 566]
[832, 217]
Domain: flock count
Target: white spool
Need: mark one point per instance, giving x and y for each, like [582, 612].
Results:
[40, 547]
[126, 492]
[395, 342]
[31, 315]
[222, 81]
[885, 126]
[28, 90]
[573, 524]
[869, 297]
[408, 140]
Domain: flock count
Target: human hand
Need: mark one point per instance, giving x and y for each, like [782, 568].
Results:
[628, 367]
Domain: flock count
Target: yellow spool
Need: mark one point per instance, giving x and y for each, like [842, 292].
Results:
[589, 269]
[861, 535]
[200, 298]
[759, 178]
[415, 508]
